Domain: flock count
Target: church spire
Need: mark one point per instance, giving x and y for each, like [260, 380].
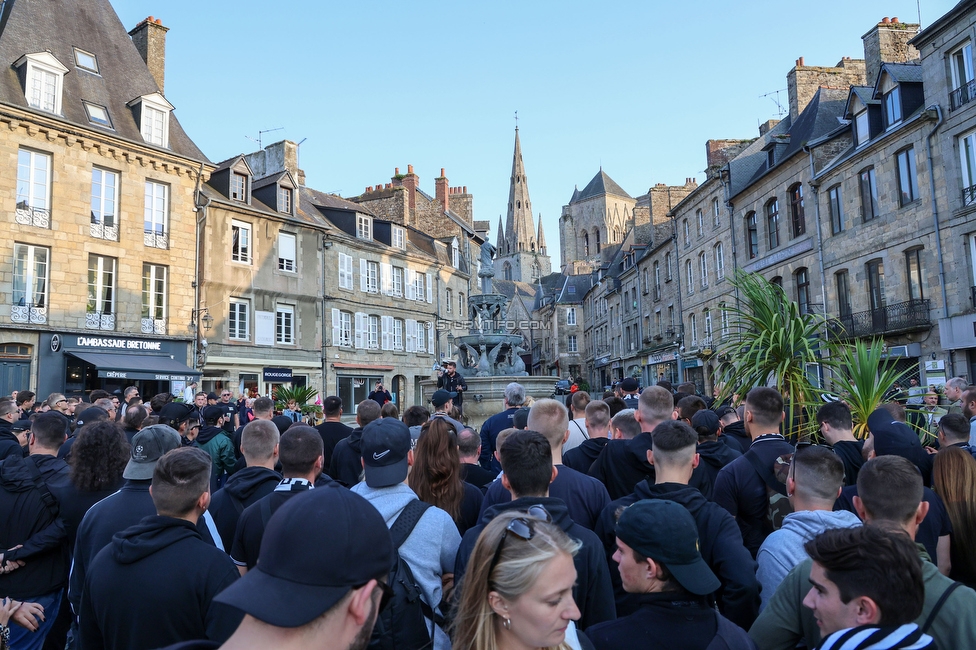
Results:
[500, 239]
[519, 229]
[541, 239]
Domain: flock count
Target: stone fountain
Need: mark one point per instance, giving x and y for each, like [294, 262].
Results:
[488, 357]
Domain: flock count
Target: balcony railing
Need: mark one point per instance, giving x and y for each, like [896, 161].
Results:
[156, 239]
[96, 321]
[898, 317]
[28, 216]
[102, 231]
[969, 195]
[28, 314]
[153, 326]
[962, 95]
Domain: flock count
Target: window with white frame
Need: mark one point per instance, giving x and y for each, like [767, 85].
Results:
[398, 334]
[373, 333]
[104, 200]
[571, 315]
[154, 112]
[657, 281]
[44, 81]
[399, 238]
[703, 267]
[724, 315]
[239, 320]
[397, 281]
[719, 261]
[153, 299]
[240, 250]
[700, 218]
[862, 128]
[892, 107]
[86, 61]
[421, 336]
[690, 274]
[448, 294]
[693, 320]
[707, 314]
[98, 114]
[460, 310]
[455, 254]
[341, 328]
[33, 188]
[967, 154]
[287, 252]
[835, 208]
[238, 186]
[31, 265]
[962, 66]
[686, 229]
[101, 284]
[571, 344]
[284, 200]
[285, 324]
[418, 286]
[716, 213]
[364, 226]
[345, 271]
[907, 178]
[368, 276]
[156, 215]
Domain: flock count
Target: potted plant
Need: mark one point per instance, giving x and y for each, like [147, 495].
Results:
[865, 379]
[301, 395]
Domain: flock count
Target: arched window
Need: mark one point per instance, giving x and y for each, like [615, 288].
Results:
[586, 244]
[716, 213]
[686, 230]
[701, 222]
[752, 235]
[507, 271]
[772, 223]
[596, 239]
[616, 235]
[798, 221]
[719, 261]
[703, 266]
[690, 275]
[802, 279]
[669, 273]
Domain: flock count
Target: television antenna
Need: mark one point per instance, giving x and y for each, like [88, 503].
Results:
[261, 134]
[774, 96]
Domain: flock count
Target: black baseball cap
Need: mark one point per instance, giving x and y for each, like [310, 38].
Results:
[722, 411]
[385, 445]
[666, 532]
[705, 419]
[441, 396]
[294, 582]
[90, 414]
[176, 412]
[211, 396]
[629, 385]
[211, 414]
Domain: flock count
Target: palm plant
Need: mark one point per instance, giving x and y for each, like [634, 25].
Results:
[301, 395]
[865, 378]
[771, 343]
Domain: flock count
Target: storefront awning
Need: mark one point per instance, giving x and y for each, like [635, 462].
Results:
[137, 366]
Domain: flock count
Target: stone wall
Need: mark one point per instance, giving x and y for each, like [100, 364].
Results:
[887, 42]
[803, 81]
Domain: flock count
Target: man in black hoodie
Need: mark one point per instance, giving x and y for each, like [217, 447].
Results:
[154, 584]
[259, 446]
[714, 454]
[9, 443]
[28, 490]
[332, 430]
[526, 459]
[674, 458]
[347, 464]
[732, 431]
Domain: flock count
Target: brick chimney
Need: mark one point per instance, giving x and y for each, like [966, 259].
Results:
[149, 37]
[718, 153]
[411, 181]
[803, 81]
[887, 42]
[441, 190]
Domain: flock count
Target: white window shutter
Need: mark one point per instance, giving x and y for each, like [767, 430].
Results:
[410, 288]
[386, 279]
[411, 335]
[386, 327]
[360, 330]
[363, 276]
[430, 284]
[341, 270]
[430, 338]
[336, 327]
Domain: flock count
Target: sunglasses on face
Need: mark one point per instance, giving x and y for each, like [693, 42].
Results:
[523, 528]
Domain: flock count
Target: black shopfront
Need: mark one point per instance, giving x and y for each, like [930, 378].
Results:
[76, 364]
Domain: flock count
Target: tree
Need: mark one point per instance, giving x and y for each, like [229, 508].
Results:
[863, 378]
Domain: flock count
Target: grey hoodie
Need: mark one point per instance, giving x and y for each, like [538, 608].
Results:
[783, 549]
[427, 559]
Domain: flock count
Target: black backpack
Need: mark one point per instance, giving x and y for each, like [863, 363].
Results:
[778, 504]
[403, 624]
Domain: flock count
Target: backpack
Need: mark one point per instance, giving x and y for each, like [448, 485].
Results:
[778, 504]
[403, 624]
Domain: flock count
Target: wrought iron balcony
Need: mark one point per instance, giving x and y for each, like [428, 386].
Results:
[153, 326]
[28, 216]
[96, 321]
[103, 231]
[155, 239]
[899, 317]
[969, 195]
[28, 313]
[962, 95]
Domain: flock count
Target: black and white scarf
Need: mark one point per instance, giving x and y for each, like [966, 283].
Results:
[871, 637]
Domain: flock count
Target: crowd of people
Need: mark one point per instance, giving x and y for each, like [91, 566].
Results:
[650, 518]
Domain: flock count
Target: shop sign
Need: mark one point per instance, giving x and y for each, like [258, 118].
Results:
[277, 375]
[116, 344]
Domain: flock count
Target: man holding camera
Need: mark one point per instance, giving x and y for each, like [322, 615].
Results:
[452, 382]
[380, 395]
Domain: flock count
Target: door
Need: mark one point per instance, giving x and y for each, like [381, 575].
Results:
[14, 375]
[876, 291]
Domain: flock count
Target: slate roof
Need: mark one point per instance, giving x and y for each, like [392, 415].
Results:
[269, 180]
[581, 284]
[600, 185]
[863, 93]
[904, 72]
[33, 26]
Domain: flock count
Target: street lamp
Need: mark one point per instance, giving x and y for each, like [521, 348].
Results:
[205, 318]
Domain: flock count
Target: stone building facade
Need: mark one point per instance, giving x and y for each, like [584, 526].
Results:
[598, 216]
[98, 196]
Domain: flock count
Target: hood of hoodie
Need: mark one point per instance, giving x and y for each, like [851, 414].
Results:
[807, 524]
[388, 500]
[717, 454]
[208, 433]
[556, 508]
[356, 440]
[637, 448]
[244, 483]
[15, 477]
[691, 498]
[149, 536]
[737, 430]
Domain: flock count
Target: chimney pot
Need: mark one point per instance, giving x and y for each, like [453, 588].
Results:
[885, 20]
[894, 21]
[409, 169]
[799, 62]
[442, 172]
[464, 190]
[396, 171]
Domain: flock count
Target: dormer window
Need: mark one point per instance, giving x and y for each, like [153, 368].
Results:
[86, 61]
[364, 227]
[862, 128]
[892, 107]
[399, 238]
[770, 157]
[43, 77]
[455, 254]
[284, 200]
[152, 113]
[98, 115]
[238, 186]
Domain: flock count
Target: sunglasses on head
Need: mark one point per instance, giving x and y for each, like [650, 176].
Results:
[521, 527]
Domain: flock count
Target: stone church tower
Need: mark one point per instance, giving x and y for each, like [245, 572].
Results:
[521, 254]
[598, 215]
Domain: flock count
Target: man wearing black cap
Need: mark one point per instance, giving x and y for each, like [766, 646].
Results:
[714, 454]
[178, 415]
[657, 555]
[733, 430]
[431, 547]
[442, 401]
[894, 438]
[452, 382]
[630, 389]
[347, 465]
[155, 583]
[298, 597]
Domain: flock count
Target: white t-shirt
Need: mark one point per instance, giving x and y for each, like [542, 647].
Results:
[577, 434]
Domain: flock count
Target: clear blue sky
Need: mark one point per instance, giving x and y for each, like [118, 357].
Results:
[635, 86]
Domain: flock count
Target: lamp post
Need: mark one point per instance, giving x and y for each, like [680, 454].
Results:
[200, 345]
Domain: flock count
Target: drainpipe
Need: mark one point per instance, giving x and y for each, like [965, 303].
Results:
[202, 203]
[935, 222]
[726, 177]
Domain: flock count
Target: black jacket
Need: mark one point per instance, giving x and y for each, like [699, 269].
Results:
[477, 475]
[76, 503]
[849, 451]
[241, 490]
[714, 455]
[250, 527]
[9, 444]
[27, 520]
[665, 620]
[592, 590]
[735, 436]
[489, 434]
[332, 433]
[154, 585]
[721, 548]
[582, 456]
[623, 464]
[584, 496]
[347, 459]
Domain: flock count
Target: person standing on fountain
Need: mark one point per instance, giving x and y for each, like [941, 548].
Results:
[452, 382]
